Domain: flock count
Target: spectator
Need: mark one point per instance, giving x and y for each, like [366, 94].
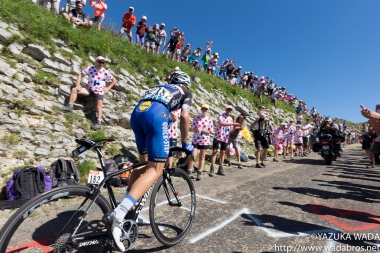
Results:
[261, 127]
[201, 126]
[212, 63]
[249, 81]
[97, 78]
[186, 51]
[306, 127]
[141, 27]
[237, 72]
[365, 140]
[230, 68]
[150, 39]
[290, 137]
[129, 20]
[232, 80]
[52, 5]
[195, 65]
[271, 86]
[298, 118]
[208, 46]
[100, 8]
[234, 138]
[173, 132]
[195, 55]
[221, 136]
[278, 140]
[298, 139]
[374, 120]
[172, 43]
[161, 38]
[181, 41]
[222, 71]
[205, 58]
[243, 80]
[77, 16]
[71, 4]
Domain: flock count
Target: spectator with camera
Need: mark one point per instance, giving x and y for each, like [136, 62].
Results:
[77, 16]
[261, 128]
[230, 69]
[161, 38]
[129, 20]
[186, 51]
[212, 63]
[98, 16]
[181, 42]
[173, 41]
[196, 54]
[141, 28]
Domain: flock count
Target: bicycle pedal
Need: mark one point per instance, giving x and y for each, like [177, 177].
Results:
[130, 233]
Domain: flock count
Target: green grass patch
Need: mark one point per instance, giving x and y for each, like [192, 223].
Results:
[113, 150]
[98, 134]
[11, 139]
[23, 104]
[84, 168]
[18, 154]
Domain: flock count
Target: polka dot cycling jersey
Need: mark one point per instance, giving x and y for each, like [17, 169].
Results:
[97, 79]
[206, 124]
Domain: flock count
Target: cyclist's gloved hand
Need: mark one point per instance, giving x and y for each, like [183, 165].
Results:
[187, 147]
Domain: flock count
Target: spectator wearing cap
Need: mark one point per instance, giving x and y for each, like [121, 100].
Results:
[99, 9]
[77, 16]
[150, 39]
[97, 78]
[202, 126]
[222, 133]
[234, 138]
[195, 55]
[306, 128]
[278, 140]
[205, 58]
[129, 20]
[161, 38]
[141, 28]
[212, 63]
[186, 51]
[261, 126]
[195, 65]
[71, 4]
[173, 41]
[298, 140]
[173, 132]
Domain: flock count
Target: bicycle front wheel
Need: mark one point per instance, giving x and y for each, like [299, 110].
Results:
[38, 226]
[171, 210]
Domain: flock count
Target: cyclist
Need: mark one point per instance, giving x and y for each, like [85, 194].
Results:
[149, 122]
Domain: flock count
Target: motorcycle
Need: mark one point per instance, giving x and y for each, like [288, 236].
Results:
[328, 146]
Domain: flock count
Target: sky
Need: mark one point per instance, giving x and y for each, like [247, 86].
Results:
[325, 52]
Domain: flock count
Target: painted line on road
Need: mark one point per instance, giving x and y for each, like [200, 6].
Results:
[269, 232]
[212, 199]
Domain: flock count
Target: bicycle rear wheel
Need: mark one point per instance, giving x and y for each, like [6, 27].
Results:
[38, 225]
[170, 218]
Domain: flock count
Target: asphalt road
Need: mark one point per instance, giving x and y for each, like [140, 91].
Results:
[290, 206]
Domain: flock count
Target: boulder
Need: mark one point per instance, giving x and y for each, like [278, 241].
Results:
[62, 59]
[124, 120]
[64, 90]
[16, 48]
[196, 79]
[120, 86]
[59, 43]
[75, 67]
[53, 72]
[37, 52]
[4, 36]
[5, 69]
[42, 152]
[3, 25]
[68, 50]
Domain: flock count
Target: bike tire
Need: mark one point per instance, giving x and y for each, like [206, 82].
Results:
[14, 234]
[171, 224]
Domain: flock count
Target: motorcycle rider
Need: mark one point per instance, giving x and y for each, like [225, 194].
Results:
[329, 127]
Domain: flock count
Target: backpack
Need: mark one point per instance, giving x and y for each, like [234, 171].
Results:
[243, 157]
[64, 172]
[111, 167]
[27, 183]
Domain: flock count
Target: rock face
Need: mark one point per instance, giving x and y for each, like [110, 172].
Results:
[33, 130]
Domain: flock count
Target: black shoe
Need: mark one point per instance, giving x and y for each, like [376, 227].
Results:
[211, 173]
[263, 165]
[258, 166]
[96, 126]
[199, 175]
[67, 108]
[114, 228]
[220, 171]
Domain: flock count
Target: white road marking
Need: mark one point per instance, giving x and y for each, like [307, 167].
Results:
[212, 199]
[164, 202]
[269, 232]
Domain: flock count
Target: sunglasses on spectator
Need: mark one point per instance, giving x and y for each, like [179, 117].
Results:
[101, 62]
[204, 109]
[229, 109]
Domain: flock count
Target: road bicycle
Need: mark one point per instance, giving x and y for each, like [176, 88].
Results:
[69, 218]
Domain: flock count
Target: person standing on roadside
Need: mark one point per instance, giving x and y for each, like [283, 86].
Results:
[100, 8]
[234, 138]
[278, 140]
[201, 126]
[261, 127]
[222, 133]
[306, 127]
[129, 20]
[374, 120]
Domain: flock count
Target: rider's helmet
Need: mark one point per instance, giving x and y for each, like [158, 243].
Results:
[179, 77]
[329, 120]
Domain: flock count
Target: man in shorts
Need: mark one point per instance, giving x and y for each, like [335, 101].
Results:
[234, 138]
[140, 31]
[222, 133]
[129, 20]
[77, 16]
[306, 127]
[97, 78]
[261, 127]
[100, 7]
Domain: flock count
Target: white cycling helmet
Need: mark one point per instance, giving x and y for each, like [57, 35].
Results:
[179, 77]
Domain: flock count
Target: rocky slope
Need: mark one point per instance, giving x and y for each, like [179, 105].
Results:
[34, 82]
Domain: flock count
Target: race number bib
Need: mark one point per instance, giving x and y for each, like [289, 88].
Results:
[159, 94]
[95, 177]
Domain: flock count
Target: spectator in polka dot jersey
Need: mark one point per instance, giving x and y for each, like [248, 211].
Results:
[173, 132]
[222, 133]
[201, 126]
[97, 77]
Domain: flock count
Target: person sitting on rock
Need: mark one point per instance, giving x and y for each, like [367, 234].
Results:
[77, 16]
[97, 78]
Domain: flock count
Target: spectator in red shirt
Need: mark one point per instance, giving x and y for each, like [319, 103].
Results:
[140, 32]
[129, 20]
[100, 8]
